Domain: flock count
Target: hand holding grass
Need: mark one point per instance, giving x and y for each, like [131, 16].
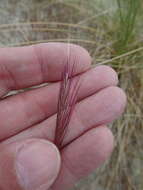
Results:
[28, 158]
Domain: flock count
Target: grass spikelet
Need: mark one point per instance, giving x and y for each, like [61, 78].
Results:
[67, 99]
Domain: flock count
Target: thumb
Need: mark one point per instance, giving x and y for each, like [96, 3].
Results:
[32, 164]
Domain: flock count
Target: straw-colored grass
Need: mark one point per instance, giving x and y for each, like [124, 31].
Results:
[112, 32]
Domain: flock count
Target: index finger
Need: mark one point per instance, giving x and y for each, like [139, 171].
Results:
[22, 67]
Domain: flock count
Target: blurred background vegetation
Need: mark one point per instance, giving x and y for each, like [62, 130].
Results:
[112, 31]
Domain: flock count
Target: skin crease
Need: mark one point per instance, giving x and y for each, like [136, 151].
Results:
[29, 160]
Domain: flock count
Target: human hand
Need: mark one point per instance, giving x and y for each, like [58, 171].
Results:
[28, 158]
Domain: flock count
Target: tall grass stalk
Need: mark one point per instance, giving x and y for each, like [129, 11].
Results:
[128, 11]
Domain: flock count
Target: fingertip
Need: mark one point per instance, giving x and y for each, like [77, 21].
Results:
[82, 54]
[108, 75]
[62, 52]
[37, 164]
[119, 97]
[107, 142]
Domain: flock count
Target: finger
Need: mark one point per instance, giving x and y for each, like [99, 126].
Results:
[22, 67]
[98, 109]
[83, 156]
[26, 109]
[28, 165]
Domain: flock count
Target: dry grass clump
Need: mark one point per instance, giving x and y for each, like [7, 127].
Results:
[112, 32]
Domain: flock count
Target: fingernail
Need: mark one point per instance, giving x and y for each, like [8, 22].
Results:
[37, 165]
